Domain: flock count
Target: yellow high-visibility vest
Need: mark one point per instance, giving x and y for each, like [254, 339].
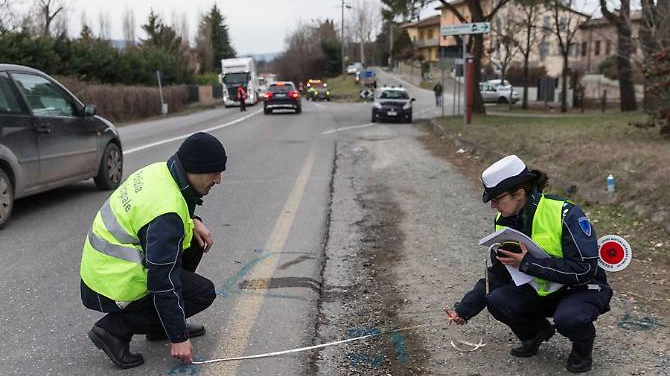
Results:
[547, 231]
[113, 262]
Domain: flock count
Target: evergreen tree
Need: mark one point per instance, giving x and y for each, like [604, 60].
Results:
[220, 39]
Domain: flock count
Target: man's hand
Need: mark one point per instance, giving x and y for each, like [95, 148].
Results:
[511, 258]
[182, 351]
[454, 317]
[202, 235]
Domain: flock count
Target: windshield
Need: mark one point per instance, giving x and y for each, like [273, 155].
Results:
[394, 94]
[236, 78]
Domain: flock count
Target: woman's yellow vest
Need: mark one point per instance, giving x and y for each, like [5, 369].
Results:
[547, 231]
[113, 262]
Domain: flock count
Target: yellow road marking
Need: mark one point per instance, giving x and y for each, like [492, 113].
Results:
[244, 314]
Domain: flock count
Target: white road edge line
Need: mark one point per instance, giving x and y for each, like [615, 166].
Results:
[347, 128]
[157, 143]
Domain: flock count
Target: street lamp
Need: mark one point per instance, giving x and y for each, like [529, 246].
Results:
[342, 37]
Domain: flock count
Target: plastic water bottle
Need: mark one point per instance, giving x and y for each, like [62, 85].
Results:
[610, 184]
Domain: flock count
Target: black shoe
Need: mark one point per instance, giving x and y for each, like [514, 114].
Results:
[116, 349]
[194, 330]
[580, 359]
[529, 347]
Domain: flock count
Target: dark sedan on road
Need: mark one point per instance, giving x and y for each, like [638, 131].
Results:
[282, 95]
[392, 103]
[48, 138]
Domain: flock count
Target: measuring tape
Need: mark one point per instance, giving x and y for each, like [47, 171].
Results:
[335, 343]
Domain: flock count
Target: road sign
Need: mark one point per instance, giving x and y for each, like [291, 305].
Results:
[468, 28]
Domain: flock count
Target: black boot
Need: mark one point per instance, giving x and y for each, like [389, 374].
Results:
[580, 359]
[117, 349]
[529, 346]
[194, 330]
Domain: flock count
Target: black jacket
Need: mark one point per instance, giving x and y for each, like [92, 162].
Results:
[577, 268]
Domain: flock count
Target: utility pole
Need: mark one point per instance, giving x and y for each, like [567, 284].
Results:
[391, 45]
[342, 37]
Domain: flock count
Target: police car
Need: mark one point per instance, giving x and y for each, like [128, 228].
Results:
[392, 103]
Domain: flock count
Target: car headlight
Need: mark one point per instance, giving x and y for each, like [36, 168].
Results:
[407, 106]
[377, 105]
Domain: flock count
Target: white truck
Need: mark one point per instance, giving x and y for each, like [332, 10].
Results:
[239, 71]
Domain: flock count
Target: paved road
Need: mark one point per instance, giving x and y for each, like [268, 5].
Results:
[270, 223]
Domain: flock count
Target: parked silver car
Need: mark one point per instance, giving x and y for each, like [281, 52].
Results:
[498, 93]
[48, 138]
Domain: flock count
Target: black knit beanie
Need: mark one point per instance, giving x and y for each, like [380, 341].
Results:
[202, 153]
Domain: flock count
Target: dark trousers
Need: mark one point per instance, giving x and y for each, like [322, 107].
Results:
[243, 105]
[140, 316]
[525, 312]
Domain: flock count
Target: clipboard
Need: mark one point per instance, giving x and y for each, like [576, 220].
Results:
[494, 240]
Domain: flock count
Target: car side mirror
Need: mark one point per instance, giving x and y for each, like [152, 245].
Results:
[89, 110]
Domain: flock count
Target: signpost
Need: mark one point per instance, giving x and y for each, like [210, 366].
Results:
[466, 29]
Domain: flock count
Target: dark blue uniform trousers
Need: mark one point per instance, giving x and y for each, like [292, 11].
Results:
[525, 312]
[140, 316]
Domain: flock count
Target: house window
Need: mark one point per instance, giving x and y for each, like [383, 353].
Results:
[544, 50]
[608, 48]
[546, 25]
[584, 48]
[596, 49]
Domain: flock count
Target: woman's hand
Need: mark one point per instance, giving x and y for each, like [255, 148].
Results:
[202, 235]
[511, 258]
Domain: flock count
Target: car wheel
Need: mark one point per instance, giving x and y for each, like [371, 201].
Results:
[409, 117]
[374, 117]
[111, 168]
[267, 111]
[502, 100]
[298, 110]
[6, 198]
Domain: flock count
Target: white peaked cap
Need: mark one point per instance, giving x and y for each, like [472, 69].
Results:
[504, 175]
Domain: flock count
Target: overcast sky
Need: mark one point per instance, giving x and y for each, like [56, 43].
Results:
[255, 26]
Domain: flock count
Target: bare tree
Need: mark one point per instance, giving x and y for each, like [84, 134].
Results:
[476, 44]
[566, 22]
[47, 14]
[504, 43]
[625, 50]
[129, 26]
[203, 46]
[526, 39]
[366, 17]
[6, 15]
[654, 38]
[180, 25]
[104, 31]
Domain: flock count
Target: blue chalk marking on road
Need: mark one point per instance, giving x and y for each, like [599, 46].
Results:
[230, 286]
[361, 358]
[400, 348]
[189, 369]
[645, 323]
[352, 333]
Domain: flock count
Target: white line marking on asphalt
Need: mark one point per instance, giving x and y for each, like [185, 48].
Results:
[348, 128]
[157, 143]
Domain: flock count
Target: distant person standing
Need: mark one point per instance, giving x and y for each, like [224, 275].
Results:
[438, 94]
[242, 97]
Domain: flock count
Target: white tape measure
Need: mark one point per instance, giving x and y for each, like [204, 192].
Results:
[614, 253]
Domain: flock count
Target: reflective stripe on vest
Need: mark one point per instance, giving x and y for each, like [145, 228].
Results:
[113, 262]
[547, 231]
